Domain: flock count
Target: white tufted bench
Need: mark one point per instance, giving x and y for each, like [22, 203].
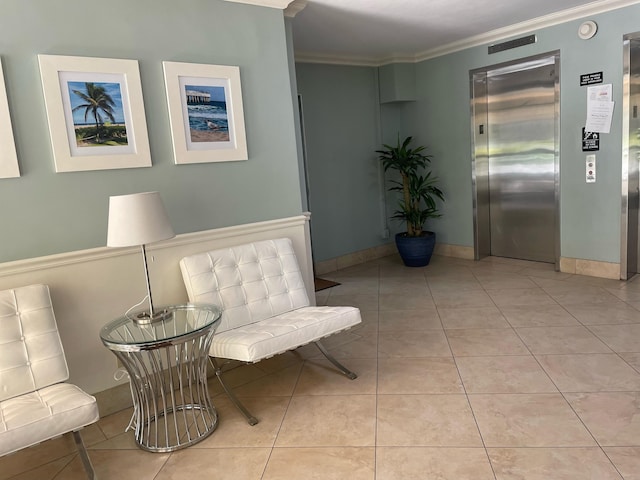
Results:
[264, 302]
[35, 402]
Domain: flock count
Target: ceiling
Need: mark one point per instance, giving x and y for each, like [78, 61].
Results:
[375, 32]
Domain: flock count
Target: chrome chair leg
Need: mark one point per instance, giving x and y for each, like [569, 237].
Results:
[335, 362]
[218, 369]
[84, 457]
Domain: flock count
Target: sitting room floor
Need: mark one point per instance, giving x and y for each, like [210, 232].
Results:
[498, 369]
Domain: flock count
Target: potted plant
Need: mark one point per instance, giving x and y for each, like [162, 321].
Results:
[418, 200]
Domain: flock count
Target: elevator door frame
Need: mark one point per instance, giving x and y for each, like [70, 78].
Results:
[480, 153]
[629, 221]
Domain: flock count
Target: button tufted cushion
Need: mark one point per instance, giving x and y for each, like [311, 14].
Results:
[37, 416]
[249, 282]
[265, 307]
[32, 355]
[253, 342]
[34, 405]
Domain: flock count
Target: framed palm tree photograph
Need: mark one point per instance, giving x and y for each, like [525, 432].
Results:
[95, 112]
[205, 112]
[8, 157]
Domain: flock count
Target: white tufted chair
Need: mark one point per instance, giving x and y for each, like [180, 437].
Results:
[264, 302]
[35, 403]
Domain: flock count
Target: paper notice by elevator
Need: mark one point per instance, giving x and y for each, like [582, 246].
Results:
[599, 108]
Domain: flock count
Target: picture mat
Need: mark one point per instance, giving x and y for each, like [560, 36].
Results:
[186, 151]
[51, 66]
[8, 157]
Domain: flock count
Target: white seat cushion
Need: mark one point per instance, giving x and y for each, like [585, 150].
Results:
[263, 339]
[41, 415]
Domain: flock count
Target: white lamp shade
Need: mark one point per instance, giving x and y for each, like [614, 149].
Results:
[137, 219]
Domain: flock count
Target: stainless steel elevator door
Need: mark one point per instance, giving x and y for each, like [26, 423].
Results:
[521, 104]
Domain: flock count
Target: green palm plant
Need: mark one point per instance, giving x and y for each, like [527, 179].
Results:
[418, 188]
[96, 100]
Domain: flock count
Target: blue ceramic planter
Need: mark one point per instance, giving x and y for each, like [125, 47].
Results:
[416, 251]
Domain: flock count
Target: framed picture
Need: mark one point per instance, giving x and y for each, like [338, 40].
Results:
[205, 111]
[8, 158]
[95, 112]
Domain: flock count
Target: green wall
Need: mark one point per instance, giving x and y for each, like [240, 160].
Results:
[440, 119]
[341, 124]
[44, 212]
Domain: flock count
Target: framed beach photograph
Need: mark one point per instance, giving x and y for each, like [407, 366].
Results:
[95, 112]
[205, 112]
[8, 157]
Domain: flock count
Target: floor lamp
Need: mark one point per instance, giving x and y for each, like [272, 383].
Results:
[139, 219]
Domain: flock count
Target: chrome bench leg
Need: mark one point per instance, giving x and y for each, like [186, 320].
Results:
[337, 364]
[218, 369]
[82, 450]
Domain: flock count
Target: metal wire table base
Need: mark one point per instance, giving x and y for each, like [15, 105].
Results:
[167, 366]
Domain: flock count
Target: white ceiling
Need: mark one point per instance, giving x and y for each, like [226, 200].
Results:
[374, 32]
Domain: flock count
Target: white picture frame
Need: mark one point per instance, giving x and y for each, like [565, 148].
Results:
[83, 137]
[8, 157]
[205, 112]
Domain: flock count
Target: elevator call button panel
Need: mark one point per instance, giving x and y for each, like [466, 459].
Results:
[591, 168]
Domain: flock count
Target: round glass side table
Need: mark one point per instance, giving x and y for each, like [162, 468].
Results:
[167, 366]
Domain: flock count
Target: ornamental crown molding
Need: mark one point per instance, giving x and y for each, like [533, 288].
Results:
[295, 8]
[281, 4]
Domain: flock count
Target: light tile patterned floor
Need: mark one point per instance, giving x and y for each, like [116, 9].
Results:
[499, 369]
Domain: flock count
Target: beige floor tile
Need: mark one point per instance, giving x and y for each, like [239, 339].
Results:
[280, 383]
[124, 441]
[233, 429]
[418, 375]
[276, 363]
[485, 341]
[394, 301]
[221, 464]
[426, 420]
[612, 418]
[118, 465]
[320, 377]
[500, 280]
[550, 340]
[504, 374]
[404, 286]
[36, 456]
[420, 463]
[403, 320]
[551, 463]
[632, 359]
[328, 421]
[361, 301]
[520, 296]
[621, 338]
[538, 316]
[590, 373]
[353, 463]
[627, 460]
[355, 286]
[428, 343]
[528, 420]
[454, 298]
[48, 471]
[115, 424]
[409, 396]
[450, 283]
[472, 317]
[604, 314]
[585, 295]
[625, 294]
[350, 344]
